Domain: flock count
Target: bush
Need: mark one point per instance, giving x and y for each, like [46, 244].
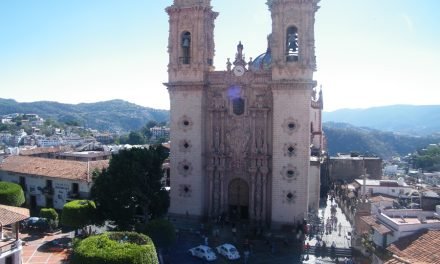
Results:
[11, 194]
[115, 248]
[78, 213]
[51, 215]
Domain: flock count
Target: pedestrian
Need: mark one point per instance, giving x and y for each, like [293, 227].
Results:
[206, 240]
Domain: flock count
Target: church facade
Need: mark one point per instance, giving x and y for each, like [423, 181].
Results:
[246, 140]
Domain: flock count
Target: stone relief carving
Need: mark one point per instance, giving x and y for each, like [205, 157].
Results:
[290, 125]
[185, 145]
[185, 190]
[289, 196]
[289, 173]
[237, 139]
[289, 149]
[185, 123]
[184, 168]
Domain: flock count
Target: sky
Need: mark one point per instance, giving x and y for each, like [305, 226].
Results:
[369, 52]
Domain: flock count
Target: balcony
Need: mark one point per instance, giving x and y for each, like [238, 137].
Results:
[73, 195]
[48, 190]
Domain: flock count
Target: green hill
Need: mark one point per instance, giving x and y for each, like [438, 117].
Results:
[114, 115]
[406, 119]
[345, 138]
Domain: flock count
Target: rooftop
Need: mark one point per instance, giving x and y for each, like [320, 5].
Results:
[65, 169]
[12, 214]
[418, 248]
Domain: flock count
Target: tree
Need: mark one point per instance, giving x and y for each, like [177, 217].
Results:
[135, 138]
[78, 213]
[131, 185]
[161, 231]
[11, 194]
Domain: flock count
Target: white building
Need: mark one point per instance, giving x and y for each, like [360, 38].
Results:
[53, 141]
[391, 225]
[392, 188]
[160, 132]
[50, 182]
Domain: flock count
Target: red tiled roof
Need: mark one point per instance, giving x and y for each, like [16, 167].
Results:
[40, 150]
[422, 247]
[12, 214]
[65, 169]
[372, 221]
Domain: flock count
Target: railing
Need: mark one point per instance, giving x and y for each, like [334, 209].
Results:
[48, 190]
[9, 246]
[73, 194]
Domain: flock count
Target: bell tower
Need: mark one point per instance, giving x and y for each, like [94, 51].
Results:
[191, 39]
[293, 63]
[191, 54]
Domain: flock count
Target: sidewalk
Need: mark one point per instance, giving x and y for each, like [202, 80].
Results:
[342, 240]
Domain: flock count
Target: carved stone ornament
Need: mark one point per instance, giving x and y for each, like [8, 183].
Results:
[290, 125]
[185, 145]
[289, 149]
[184, 168]
[185, 190]
[289, 173]
[289, 197]
[185, 123]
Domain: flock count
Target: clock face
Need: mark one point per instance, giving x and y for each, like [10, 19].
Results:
[238, 70]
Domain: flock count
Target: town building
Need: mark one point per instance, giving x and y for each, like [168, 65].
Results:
[50, 182]
[160, 132]
[10, 243]
[347, 168]
[394, 188]
[243, 137]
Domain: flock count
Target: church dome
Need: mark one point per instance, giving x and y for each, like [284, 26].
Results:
[262, 63]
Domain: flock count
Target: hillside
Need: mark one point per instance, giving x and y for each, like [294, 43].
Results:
[114, 115]
[345, 138]
[405, 119]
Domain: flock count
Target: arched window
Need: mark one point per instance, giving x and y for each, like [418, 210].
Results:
[292, 47]
[186, 47]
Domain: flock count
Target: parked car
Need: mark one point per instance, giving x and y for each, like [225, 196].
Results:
[229, 251]
[35, 223]
[203, 252]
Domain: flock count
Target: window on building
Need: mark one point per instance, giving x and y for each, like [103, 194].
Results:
[238, 106]
[75, 187]
[292, 47]
[49, 183]
[186, 48]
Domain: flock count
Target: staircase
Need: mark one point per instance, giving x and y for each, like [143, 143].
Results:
[327, 252]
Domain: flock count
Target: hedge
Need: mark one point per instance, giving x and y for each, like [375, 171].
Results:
[49, 213]
[115, 248]
[11, 194]
[78, 213]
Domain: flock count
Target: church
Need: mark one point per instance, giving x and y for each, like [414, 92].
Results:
[246, 140]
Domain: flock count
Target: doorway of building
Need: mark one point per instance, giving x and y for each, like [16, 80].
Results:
[33, 202]
[238, 198]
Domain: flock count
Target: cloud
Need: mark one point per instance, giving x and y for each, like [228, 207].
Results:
[409, 22]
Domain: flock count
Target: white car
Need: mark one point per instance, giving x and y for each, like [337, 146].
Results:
[229, 251]
[203, 252]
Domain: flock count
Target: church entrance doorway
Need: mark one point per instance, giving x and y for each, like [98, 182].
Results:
[238, 198]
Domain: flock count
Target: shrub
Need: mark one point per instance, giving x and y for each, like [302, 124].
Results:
[11, 194]
[115, 248]
[78, 213]
[51, 215]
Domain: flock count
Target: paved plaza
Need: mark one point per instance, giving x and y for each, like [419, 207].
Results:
[33, 254]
